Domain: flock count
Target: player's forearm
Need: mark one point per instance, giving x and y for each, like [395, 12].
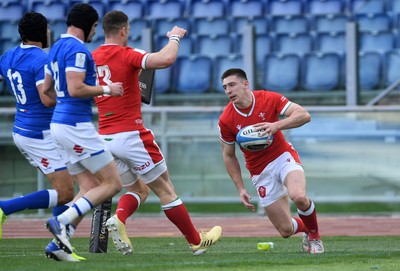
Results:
[298, 118]
[233, 168]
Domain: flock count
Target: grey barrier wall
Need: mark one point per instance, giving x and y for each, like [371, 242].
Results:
[348, 153]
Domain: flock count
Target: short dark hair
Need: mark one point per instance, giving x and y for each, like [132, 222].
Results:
[234, 71]
[113, 21]
[33, 27]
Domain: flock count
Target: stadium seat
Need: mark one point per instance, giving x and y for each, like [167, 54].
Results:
[58, 27]
[285, 7]
[135, 42]
[192, 74]
[9, 30]
[137, 26]
[246, 8]
[133, 8]
[185, 45]
[52, 9]
[221, 64]
[164, 9]
[395, 8]
[298, 43]
[374, 22]
[318, 7]
[367, 6]
[261, 24]
[163, 25]
[331, 42]
[392, 67]
[211, 26]
[370, 70]
[163, 80]
[94, 44]
[281, 72]
[289, 24]
[321, 71]
[207, 8]
[11, 12]
[329, 23]
[6, 44]
[263, 47]
[381, 41]
[214, 45]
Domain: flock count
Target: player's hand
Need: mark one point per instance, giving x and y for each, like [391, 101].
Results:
[176, 30]
[116, 89]
[245, 197]
[266, 128]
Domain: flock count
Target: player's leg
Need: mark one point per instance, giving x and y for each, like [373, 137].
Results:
[296, 185]
[127, 205]
[176, 212]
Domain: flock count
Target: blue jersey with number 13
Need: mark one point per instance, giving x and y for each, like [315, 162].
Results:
[23, 69]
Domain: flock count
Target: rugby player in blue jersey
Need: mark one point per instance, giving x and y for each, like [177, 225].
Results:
[23, 69]
[71, 71]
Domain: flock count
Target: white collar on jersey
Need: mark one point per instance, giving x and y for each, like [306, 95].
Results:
[71, 36]
[253, 103]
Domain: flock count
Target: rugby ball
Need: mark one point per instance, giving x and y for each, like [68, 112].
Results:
[248, 138]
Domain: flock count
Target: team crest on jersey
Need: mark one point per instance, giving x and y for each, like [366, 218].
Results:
[262, 115]
[80, 60]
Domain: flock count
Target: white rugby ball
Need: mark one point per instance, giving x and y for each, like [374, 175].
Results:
[250, 139]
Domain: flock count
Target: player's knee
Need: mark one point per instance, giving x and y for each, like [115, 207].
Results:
[65, 196]
[300, 200]
[286, 232]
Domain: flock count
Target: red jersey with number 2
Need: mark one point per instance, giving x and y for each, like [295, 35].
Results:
[267, 107]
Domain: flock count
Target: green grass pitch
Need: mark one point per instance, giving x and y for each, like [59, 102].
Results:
[231, 253]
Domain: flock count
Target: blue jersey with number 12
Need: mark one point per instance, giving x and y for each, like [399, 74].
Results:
[70, 54]
[23, 69]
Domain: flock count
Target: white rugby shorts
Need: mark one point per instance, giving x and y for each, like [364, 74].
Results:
[41, 153]
[79, 142]
[270, 183]
[136, 151]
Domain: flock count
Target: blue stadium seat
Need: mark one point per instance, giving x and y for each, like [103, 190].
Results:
[192, 74]
[163, 80]
[285, 7]
[374, 22]
[246, 8]
[185, 45]
[381, 41]
[370, 70]
[318, 7]
[164, 9]
[368, 6]
[52, 9]
[281, 72]
[207, 8]
[329, 23]
[221, 64]
[263, 47]
[289, 24]
[261, 24]
[294, 43]
[9, 30]
[392, 67]
[137, 26]
[6, 44]
[58, 27]
[395, 8]
[211, 26]
[11, 12]
[331, 42]
[163, 25]
[214, 45]
[133, 8]
[135, 42]
[321, 71]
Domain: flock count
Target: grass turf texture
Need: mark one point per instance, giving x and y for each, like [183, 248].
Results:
[240, 254]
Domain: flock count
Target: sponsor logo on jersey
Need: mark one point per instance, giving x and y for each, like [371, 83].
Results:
[78, 149]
